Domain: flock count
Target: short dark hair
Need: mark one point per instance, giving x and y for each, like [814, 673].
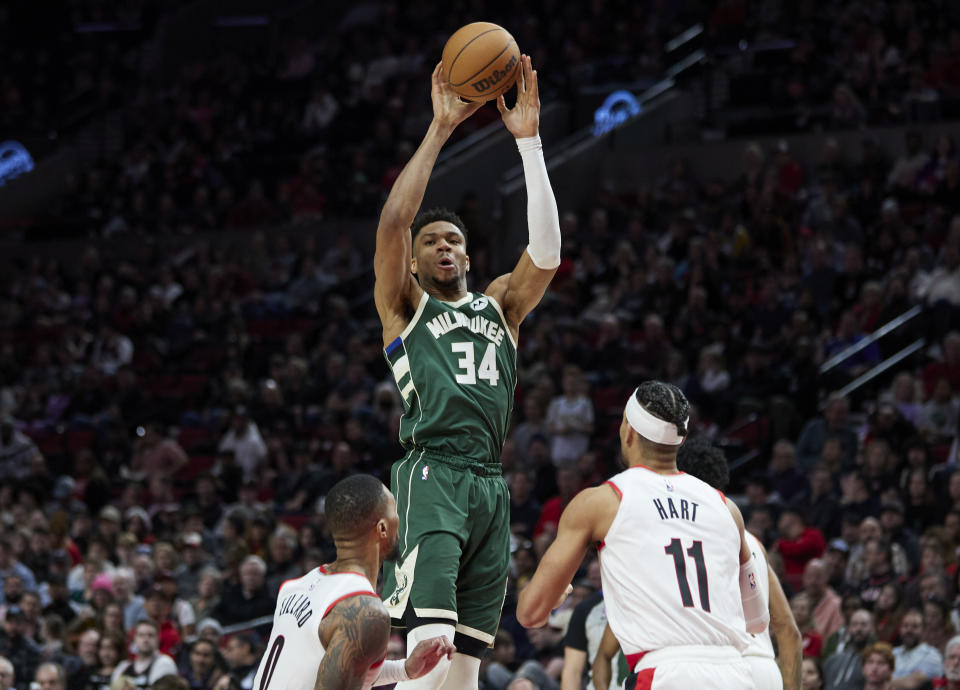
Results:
[698, 457]
[665, 401]
[434, 215]
[353, 503]
[170, 681]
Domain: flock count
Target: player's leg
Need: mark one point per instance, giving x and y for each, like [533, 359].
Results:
[440, 672]
[482, 584]
[420, 592]
[765, 672]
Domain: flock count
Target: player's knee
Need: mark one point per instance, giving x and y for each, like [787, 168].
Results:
[435, 679]
[464, 673]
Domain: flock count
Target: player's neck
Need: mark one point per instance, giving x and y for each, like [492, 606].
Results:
[446, 293]
[352, 559]
[657, 465]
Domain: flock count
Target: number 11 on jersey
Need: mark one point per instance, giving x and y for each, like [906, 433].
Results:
[675, 549]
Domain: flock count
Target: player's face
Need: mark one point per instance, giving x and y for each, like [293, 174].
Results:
[440, 255]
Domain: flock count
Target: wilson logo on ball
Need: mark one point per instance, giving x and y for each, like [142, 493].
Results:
[495, 77]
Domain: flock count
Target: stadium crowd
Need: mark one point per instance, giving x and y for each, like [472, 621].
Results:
[170, 425]
[171, 420]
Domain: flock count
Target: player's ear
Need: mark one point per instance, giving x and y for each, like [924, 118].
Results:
[413, 264]
[468, 263]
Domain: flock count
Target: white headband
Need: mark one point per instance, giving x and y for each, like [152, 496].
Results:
[650, 427]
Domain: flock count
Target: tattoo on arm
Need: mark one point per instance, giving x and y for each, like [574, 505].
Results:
[354, 636]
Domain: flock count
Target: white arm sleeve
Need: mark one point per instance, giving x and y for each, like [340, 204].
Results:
[757, 615]
[392, 672]
[543, 219]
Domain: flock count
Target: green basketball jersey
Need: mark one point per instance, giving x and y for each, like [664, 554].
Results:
[456, 367]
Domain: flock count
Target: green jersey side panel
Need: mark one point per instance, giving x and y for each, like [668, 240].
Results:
[456, 367]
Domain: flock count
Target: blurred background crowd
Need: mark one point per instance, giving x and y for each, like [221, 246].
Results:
[175, 402]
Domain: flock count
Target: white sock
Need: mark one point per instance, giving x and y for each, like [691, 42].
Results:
[434, 679]
[464, 673]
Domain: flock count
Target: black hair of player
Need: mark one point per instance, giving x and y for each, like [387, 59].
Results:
[353, 503]
[700, 458]
[435, 215]
[665, 401]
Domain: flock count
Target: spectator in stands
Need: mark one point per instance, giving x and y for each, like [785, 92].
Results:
[811, 642]
[878, 662]
[242, 656]
[88, 646]
[810, 445]
[50, 676]
[937, 628]
[16, 647]
[124, 582]
[888, 612]
[879, 570]
[8, 674]
[155, 455]
[570, 418]
[16, 451]
[824, 601]
[951, 666]
[843, 670]
[203, 667]
[243, 439]
[788, 482]
[157, 608]
[798, 544]
[917, 663]
[819, 504]
[148, 664]
[249, 599]
[524, 507]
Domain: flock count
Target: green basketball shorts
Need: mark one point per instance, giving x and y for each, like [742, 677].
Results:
[455, 542]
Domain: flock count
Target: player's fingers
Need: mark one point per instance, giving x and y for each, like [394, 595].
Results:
[436, 70]
[534, 87]
[502, 105]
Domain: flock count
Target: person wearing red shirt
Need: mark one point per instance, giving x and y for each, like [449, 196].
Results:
[157, 607]
[798, 544]
[568, 484]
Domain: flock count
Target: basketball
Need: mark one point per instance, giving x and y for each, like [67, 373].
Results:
[481, 61]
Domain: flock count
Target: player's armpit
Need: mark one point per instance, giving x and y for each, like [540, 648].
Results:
[585, 521]
[354, 636]
[521, 290]
[602, 670]
[784, 629]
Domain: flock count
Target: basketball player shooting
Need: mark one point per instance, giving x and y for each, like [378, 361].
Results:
[453, 355]
[330, 629]
[699, 458]
[679, 581]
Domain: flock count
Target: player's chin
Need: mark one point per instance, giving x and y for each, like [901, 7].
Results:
[447, 282]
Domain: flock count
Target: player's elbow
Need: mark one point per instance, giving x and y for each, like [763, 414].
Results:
[527, 614]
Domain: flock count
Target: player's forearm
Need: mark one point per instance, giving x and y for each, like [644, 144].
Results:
[789, 657]
[601, 672]
[407, 193]
[543, 219]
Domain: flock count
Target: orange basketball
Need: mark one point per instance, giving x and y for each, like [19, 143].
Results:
[481, 61]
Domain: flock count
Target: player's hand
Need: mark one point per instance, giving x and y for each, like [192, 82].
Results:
[426, 655]
[449, 109]
[523, 119]
[563, 597]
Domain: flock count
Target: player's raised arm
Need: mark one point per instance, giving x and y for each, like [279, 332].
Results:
[520, 291]
[584, 521]
[354, 636]
[395, 287]
[785, 630]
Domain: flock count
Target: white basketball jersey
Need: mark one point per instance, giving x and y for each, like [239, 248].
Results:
[760, 645]
[671, 565]
[293, 654]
